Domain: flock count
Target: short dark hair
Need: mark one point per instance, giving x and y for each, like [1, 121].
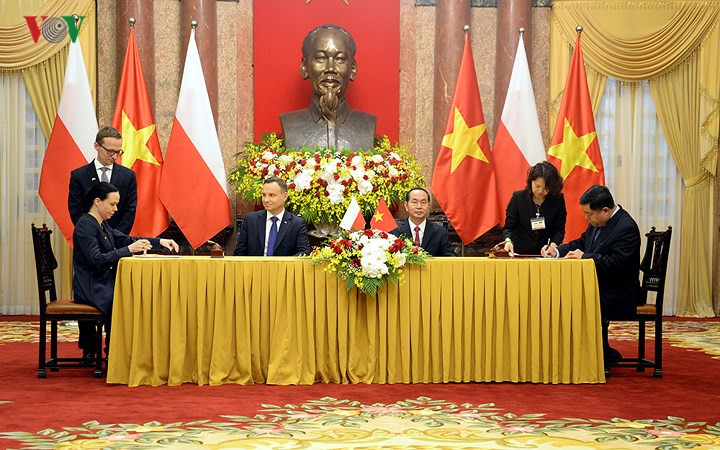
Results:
[548, 172]
[101, 191]
[280, 182]
[417, 188]
[106, 132]
[598, 197]
[310, 38]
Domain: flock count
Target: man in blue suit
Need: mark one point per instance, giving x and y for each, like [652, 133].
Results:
[273, 231]
[433, 238]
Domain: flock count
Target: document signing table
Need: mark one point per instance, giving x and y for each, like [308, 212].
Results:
[284, 321]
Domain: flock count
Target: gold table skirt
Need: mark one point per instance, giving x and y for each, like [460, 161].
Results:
[284, 321]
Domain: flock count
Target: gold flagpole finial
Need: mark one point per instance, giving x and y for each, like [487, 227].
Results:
[521, 31]
[193, 24]
[131, 21]
[579, 29]
[466, 28]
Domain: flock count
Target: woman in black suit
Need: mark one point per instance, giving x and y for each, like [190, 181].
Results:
[535, 216]
[96, 250]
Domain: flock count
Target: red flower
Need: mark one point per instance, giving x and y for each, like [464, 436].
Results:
[415, 250]
[368, 233]
[356, 262]
[365, 177]
[337, 250]
[383, 235]
[291, 185]
[336, 176]
[317, 166]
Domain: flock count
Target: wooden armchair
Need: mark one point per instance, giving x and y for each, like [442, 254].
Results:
[654, 269]
[55, 310]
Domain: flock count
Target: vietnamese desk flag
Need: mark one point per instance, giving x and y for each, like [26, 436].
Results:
[574, 148]
[383, 219]
[71, 142]
[518, 144]
[193, 184]
[141, 147]
[464, 175]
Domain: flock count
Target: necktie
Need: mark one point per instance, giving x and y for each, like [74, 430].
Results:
[273, 236]
[417, 235]
[596, 235]
[104, 177]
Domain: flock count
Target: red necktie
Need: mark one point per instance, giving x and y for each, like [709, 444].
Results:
[417, 235]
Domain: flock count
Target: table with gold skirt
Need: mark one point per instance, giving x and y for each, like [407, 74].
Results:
[285, 321]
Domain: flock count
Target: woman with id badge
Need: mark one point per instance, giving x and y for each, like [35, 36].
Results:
[535, 217]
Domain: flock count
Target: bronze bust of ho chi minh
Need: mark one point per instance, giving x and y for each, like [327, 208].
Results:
[329, 62]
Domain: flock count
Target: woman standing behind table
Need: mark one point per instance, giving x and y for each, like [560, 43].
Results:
[97, 248]
[535, 216]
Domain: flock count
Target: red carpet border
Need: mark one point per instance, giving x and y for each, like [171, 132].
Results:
[73, 410]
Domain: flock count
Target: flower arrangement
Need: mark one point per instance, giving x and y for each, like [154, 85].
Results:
[321, 181]
[368, 259]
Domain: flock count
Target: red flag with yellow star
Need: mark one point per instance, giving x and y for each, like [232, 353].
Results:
[574, 148]
[383, 219]
[140, 144]
[464, 175]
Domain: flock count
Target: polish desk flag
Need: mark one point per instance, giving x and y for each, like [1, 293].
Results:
[353, 219]
[140, 144]
[383, 219]
[518, 143]
[464, 176]
[193, 184]
[71, 141]
[574, 148]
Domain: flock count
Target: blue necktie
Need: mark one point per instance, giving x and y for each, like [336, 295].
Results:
[272, 237]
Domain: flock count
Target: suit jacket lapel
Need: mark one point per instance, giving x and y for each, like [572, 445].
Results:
[110, 237]
[404, 227]
[262, 218]
[91, 172]
[286, 220]
[427, 235]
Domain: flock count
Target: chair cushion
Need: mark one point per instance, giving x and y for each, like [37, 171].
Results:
[647, 310]
[70, 307]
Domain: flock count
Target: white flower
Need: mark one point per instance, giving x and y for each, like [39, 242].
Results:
[370, 174]
[302, 181]
[377, 158]
[329, 167]
[356, 160]
[285, 159]
[335, 191]
[271, 169]
[401, 259]
[393, 172]
[268, 156]
[358, 174]
[364, 186]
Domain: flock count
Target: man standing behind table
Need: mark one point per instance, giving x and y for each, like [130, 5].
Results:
[612, 240]
[433, 238]
[108, 145]
[273, 231]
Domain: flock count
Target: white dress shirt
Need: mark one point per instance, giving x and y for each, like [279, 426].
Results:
[99, 167]
[268, 224]
[422, 229]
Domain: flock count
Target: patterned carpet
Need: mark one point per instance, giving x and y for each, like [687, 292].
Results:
[418, 422]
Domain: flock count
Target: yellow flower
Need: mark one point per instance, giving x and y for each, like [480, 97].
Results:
[701, 438]
[632, 425]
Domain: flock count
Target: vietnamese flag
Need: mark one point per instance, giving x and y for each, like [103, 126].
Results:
[193, 184]
[574, 148]
[71, 142]
[383, 219]
[140, 144]
[464, 175]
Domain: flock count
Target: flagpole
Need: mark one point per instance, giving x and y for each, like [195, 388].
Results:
[466, 29]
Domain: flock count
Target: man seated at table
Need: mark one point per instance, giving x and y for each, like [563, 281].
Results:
[273, 231]
[433, 238]
[612, 240]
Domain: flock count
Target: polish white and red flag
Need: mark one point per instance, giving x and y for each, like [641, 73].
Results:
[193, 184]
[71, 141]
[518, 142]
[353, 220]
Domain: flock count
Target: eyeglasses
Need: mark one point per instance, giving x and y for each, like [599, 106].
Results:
[111, 153]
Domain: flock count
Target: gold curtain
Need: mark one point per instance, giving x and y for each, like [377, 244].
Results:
[42, 64]
[674, 45]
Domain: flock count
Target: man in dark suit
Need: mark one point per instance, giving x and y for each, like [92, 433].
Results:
[433, 238]
[612, 240]
[108, 144]
[273, 231]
